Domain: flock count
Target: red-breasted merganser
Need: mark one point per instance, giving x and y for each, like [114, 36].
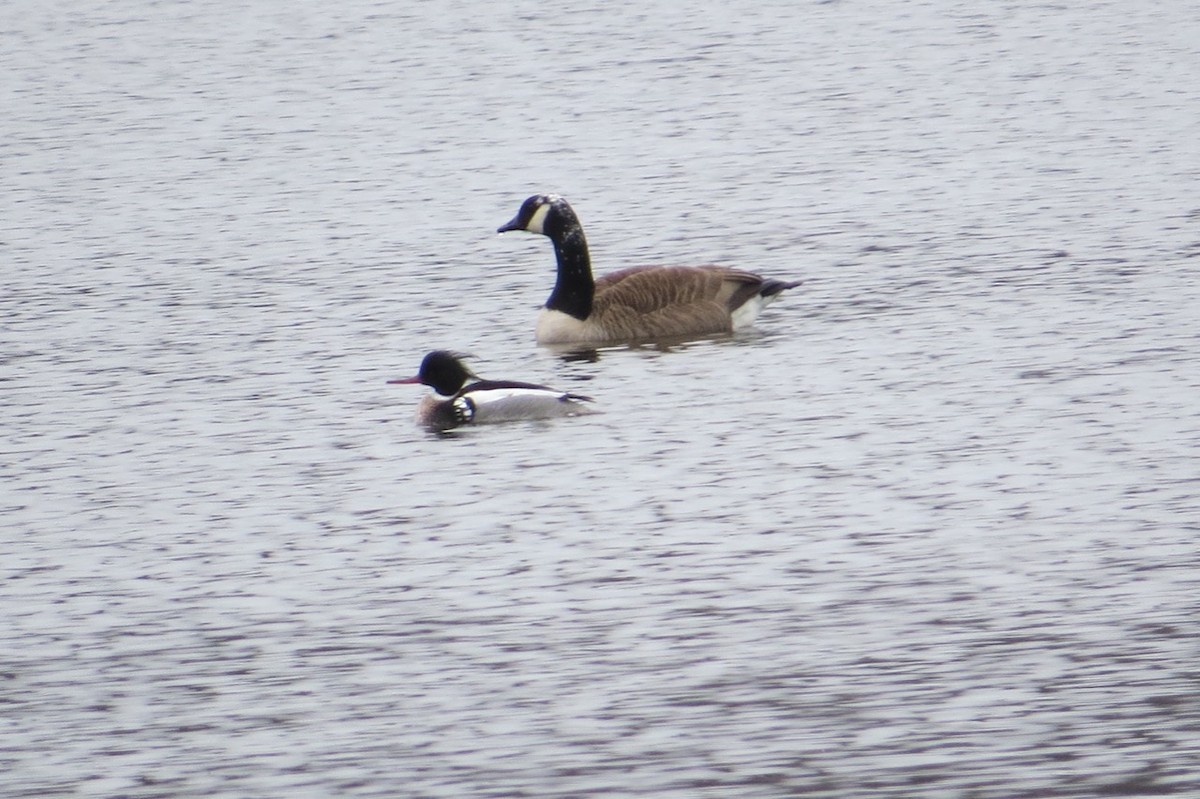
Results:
[457, 402]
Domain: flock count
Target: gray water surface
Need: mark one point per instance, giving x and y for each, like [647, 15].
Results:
[929, 530]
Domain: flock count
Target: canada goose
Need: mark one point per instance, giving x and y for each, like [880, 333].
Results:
[456, 403]
[638, 303]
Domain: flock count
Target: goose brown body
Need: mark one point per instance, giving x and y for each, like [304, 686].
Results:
[654, 303]
[638, 303]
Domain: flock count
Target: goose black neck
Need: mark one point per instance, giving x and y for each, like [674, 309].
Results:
[574, 288]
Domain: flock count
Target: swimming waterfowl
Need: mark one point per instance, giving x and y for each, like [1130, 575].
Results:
[639, 303]
[457, 402]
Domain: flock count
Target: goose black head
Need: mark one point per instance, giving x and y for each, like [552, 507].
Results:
[548, 214]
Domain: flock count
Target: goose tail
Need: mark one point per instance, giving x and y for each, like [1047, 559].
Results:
[771, 286]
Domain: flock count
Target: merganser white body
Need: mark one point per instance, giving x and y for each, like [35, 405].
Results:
[456, 402]
[641, 303]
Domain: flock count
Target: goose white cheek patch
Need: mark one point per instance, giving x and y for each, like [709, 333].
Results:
[537, 222]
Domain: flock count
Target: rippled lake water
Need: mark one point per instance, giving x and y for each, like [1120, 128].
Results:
[930, 530]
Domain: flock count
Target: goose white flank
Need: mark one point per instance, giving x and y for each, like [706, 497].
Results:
[461, 398]
[640, 303]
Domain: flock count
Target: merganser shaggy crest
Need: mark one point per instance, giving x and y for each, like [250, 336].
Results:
[639, 303]
[457, 402]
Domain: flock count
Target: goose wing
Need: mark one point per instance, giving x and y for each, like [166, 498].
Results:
[664, 301]
[646, 289]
